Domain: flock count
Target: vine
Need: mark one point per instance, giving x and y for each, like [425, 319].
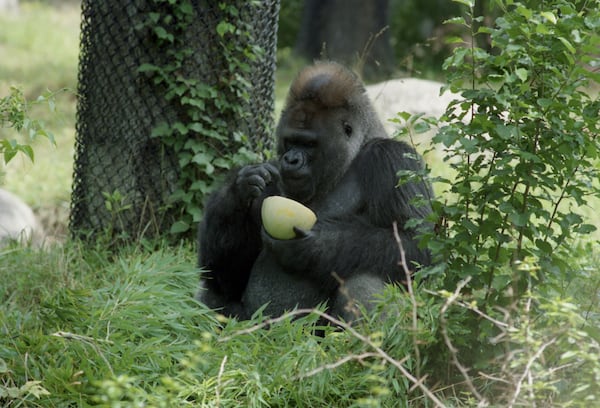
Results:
[208, 137]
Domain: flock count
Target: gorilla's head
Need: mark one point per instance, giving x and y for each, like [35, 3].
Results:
[326, 120]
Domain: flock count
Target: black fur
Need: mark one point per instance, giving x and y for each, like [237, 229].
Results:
[335, 158]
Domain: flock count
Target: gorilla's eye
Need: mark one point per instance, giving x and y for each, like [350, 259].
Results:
[347, 129]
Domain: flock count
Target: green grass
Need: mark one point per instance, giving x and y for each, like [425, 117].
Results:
[85, 326]
[93, 328]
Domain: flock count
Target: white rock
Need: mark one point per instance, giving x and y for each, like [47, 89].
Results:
[408, 95]
[17, 221]
[9, 6]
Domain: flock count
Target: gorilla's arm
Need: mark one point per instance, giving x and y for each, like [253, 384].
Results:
[362, 240]
[229, 234]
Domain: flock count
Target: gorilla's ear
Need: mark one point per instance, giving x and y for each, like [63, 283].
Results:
[328, 84]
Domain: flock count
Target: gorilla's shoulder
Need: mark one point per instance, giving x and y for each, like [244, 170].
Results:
[377, 168]
[385, 151]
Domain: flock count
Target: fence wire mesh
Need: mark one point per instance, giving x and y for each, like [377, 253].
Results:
[123, 178]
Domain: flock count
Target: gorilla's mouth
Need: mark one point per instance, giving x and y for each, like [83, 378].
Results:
[299, 188]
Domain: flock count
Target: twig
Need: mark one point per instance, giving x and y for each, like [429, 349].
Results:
[474, 309]
[493, 378]
[527, 371]
[413, 300]
[454, 350]
[362, 57]
[338, 363]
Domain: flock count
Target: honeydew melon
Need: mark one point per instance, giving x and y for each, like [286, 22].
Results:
[280, 215]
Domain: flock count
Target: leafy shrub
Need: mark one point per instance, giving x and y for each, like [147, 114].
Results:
[523, 145]
[523, 150]
[14, 113]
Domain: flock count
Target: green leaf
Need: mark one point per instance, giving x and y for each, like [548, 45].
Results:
[542, 29]
[224, 27]
[148, 68]
[179, 227]
[543, 246]
[454, 40]
[162, 129]
[522, 74]
[549, 16]
[163, 34]
[469, 3]
[196, 127]
[456, 20]
[181, 128]
[544, 102]
[204, 160]
[28, 150]
[585, 229]
[525, 12]
[404, 115]
[519, 219]
[505, 132]
[469, 145]
[567, 44]
[421, 127]
[8, 155]
[195, 102]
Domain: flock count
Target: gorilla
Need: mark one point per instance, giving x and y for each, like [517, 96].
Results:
[335, 157]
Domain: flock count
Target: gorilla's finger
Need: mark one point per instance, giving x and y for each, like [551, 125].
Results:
[264, 174]
[273, 171]
[301, 233]
[246, 170]
[256, 181]
[254, 192]
[266, 171]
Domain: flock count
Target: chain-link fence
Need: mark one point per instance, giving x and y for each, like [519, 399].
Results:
[123, 178]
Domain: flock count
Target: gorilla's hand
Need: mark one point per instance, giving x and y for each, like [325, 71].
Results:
[292, 254]
[252, 180]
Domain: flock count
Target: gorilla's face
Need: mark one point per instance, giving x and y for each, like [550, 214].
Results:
[315, 146]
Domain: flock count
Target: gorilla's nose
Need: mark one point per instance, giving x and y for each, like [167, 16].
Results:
[293, 160]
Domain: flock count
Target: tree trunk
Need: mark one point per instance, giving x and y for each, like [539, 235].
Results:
[124, 178]
[353, 32]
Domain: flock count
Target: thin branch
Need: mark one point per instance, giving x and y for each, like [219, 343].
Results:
[474, 309]
[362, 58]
[413, 300]
[527, 371]
[453, 350]
[493, 378]
[331, 366]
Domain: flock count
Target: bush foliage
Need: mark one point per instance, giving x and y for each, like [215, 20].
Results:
[14, 114]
